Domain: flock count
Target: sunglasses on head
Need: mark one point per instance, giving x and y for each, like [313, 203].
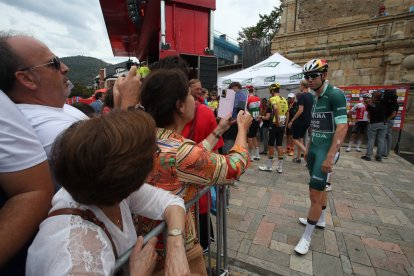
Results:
[312, 76]
[55, 63]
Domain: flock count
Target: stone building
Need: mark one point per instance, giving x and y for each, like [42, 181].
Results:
[362, 48]
[364, 42]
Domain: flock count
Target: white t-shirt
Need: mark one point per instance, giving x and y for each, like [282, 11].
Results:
[19, 146]
[48, 122]
[67, 244]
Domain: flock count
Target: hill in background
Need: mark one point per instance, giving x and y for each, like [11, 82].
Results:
[83, 70]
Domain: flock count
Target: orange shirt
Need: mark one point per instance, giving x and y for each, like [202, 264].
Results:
[182, 162]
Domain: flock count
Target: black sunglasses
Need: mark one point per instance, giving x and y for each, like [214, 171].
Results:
[312, 76]
[55, 63]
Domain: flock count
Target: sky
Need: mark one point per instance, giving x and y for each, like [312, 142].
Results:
[76, 27]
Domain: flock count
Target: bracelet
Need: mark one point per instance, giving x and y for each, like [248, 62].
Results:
[215, 134]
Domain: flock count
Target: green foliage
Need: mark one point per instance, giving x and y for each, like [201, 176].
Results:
[81, 91]
[83, 70]
[267, 26]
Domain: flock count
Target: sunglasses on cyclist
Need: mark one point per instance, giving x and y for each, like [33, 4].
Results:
[55, 63]
[312, 76]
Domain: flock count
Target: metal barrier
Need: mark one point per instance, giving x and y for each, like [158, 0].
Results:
[221, 232]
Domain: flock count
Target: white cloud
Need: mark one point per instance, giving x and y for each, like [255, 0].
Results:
[233, 15]
[77, 27]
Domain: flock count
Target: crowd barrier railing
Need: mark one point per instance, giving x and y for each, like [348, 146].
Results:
[221, 267]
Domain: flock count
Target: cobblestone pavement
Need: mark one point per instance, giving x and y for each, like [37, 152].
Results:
[370, 219]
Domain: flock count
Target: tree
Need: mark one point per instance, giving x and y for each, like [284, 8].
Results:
[81, 91]
[267, 26]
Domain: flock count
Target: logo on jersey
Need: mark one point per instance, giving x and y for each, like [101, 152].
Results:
[322, 122]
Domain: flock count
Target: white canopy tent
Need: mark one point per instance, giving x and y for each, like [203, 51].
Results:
[274, 69]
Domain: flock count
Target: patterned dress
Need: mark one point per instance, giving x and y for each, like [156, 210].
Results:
[181, 162]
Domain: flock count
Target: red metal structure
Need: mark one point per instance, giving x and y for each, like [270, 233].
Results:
[153, 29]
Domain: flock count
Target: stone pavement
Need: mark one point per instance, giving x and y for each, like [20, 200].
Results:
[370, 220]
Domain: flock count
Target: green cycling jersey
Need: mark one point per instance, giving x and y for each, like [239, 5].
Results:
[328, 111]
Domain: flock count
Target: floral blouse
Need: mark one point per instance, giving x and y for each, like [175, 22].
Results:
[182, 162]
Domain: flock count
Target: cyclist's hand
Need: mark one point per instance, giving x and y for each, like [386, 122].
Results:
[327, 165]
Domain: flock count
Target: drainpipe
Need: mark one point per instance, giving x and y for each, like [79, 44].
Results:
[211, 30]
[162, 22]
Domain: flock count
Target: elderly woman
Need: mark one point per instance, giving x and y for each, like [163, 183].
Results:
[183, 165]
[101, 164]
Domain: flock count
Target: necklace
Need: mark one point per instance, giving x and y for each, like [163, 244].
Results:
[114, 214]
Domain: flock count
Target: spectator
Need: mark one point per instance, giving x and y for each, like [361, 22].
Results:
[253, 106]
[26, 187]
[377, 128]
[90, 221]
[290, 149]
[196, 90]
[360, 128]
[40, 90]
[390, 100]
[213, 103]
[205, 95]
[98, 103]
[198, 129]
[184, 165]
[302, 119]
[108, 101]
[229, 136]
[265, 115]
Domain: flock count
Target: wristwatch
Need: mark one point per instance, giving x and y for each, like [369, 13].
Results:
[175, 232]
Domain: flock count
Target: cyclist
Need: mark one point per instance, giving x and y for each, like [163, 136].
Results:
[277, 128]
[329, 127]
[360, 128]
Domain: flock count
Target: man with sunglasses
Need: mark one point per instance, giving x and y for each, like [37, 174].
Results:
[39, 86]
[329, 127]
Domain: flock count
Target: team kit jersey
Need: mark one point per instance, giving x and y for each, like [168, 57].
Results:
[253, 105]
[328, 111]
[282, 108]
[361, 112]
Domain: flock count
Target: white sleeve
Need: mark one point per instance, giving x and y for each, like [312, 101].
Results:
[151, 202]
[81, 248]
[19, 146]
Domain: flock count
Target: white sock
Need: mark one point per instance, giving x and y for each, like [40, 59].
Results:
[359, 143]
[350, 144]
[322, 217]
[270, 162]
[280, 163]
[257, 151]
[307, 235]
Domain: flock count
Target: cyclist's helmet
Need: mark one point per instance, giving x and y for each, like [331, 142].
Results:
[315, 65]
[274, 87]
[367, 96]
